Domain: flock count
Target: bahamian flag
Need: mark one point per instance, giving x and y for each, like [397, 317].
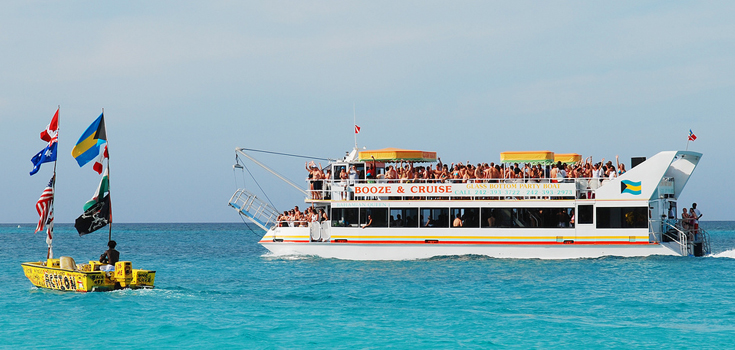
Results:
[88, 146]
[627, 186]
[46, 155]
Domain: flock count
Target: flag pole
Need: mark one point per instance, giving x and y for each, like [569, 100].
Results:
[354, 123]
[109, 192]
[50, 229]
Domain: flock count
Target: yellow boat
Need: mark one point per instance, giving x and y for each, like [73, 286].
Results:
[65, 275]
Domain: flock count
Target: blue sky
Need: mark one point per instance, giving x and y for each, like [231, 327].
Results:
[184, 83]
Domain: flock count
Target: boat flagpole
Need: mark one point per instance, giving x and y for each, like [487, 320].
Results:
[50, 228]
[354, 122]
[109, 191]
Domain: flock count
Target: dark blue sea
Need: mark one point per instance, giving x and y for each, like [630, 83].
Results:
[216, 288]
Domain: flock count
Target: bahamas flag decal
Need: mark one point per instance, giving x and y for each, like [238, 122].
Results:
[627, 186]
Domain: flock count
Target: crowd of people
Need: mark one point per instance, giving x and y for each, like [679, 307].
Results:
[296, 218]
[405, 172]
[466, 172]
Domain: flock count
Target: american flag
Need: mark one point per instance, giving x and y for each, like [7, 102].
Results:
[43, 206]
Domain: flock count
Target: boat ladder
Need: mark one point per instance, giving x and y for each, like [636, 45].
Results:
[699, 245]
[259, 212]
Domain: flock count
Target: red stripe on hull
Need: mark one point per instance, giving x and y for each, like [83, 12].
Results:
[472, 242]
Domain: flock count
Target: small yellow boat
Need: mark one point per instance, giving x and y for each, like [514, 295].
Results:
[65, 275]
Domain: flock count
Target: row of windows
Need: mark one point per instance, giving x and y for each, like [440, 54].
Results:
[618, 217]
[454, 217]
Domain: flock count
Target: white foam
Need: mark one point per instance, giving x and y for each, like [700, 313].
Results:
[726, 254]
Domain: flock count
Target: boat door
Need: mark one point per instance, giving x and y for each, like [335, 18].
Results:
[584, 220]
[657, 216]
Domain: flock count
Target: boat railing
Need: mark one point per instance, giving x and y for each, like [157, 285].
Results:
[698, 238]
[705, 241]
[259, 212]
[342, 190]
[672, 232]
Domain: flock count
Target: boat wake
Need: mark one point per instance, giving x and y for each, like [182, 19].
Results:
[726, 254]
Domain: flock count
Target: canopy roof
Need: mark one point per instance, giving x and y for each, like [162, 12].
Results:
[569, 158]
[531, 157]
[396, 155]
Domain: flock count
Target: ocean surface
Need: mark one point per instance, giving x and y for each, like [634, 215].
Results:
[217, 288]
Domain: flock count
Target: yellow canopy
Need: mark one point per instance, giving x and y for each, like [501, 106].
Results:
[396, 155]
[568, 158]
[531, 157]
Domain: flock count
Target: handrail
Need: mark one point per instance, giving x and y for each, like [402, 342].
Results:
[705, 241]
[258, 211]
[683, 241]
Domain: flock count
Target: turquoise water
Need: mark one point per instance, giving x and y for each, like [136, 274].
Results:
[217, 288]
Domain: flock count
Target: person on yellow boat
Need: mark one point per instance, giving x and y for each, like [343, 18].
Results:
[110, 256]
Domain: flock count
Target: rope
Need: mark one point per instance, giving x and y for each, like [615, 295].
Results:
[284, 154]
[261, 189]
[248, 226]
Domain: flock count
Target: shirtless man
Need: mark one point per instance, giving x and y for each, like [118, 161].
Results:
[457, 221]
[110, 256]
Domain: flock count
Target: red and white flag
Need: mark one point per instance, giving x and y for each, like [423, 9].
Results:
[692, 137]
[98, 163]
[43, 206]
[357, 129]
[49, 135]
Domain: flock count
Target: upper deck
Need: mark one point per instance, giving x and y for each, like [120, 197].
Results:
[662, 176]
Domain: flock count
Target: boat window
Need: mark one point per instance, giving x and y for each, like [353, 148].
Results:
[489, 217]
[585, 214]
[404, 217]
[470, 216]
[625, 217]
[434, 217]
[379, 216]
[527, 217]
[344, 217]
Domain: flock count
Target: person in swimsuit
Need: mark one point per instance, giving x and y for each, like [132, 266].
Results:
[110, 256]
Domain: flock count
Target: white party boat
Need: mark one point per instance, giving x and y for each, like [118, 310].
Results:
[631, 215]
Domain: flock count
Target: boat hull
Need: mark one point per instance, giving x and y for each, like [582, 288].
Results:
[352, 251]
[46, 275]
